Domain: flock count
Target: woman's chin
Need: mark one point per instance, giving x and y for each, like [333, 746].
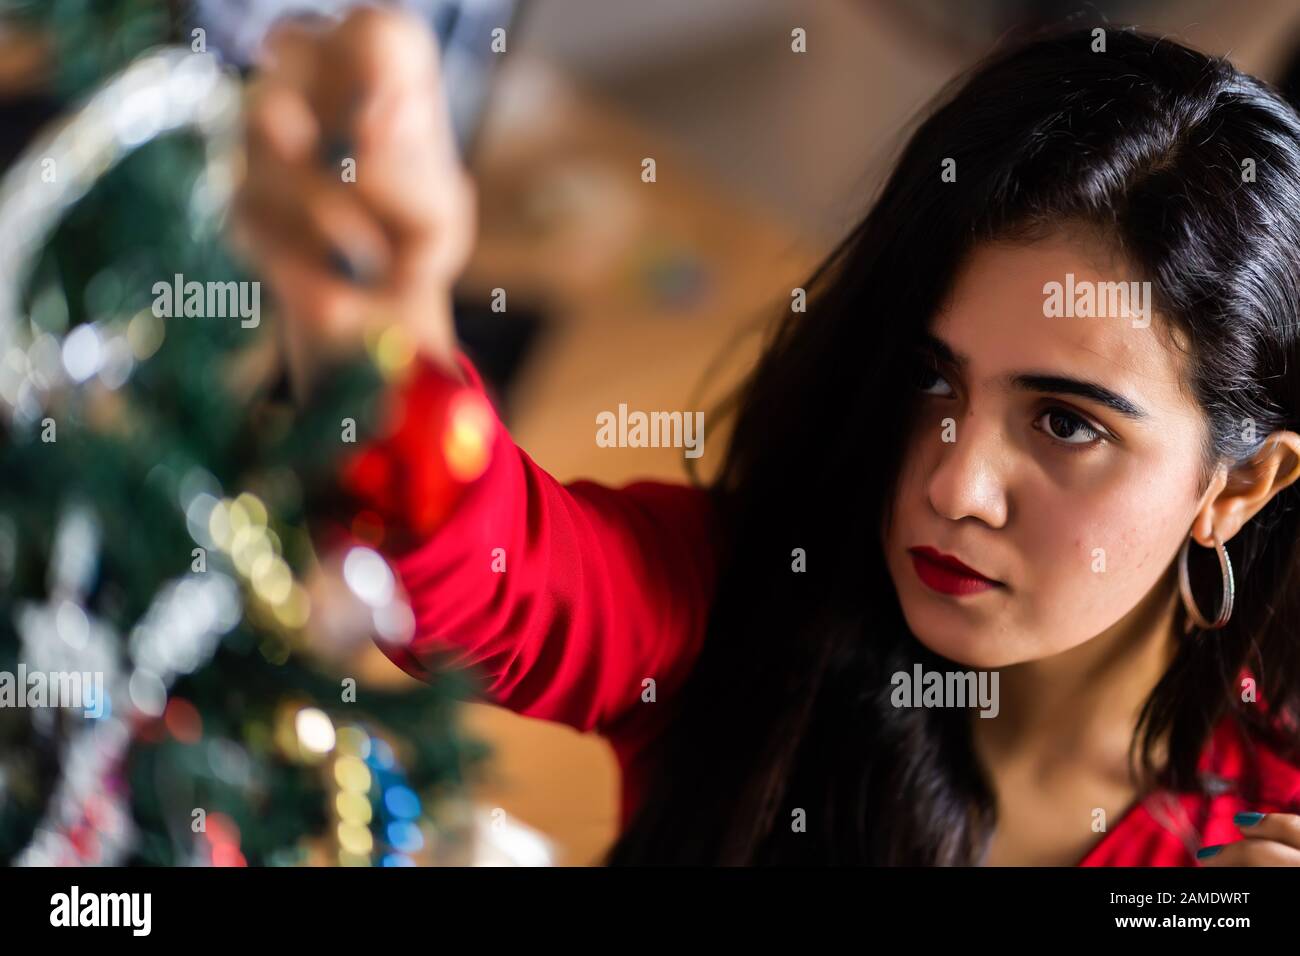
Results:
[978, 648]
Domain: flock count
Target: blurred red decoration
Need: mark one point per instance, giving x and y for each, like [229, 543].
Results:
[438, 441]
[183, 721]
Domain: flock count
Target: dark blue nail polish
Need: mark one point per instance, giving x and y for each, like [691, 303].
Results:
[1205, 852]
[357, 270]
[335, 149]
[342, 265]
[1247, 818]
[345, 266]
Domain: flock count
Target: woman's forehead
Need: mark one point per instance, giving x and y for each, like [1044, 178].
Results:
[1058, 306]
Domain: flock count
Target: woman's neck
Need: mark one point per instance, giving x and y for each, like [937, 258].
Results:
[1058, 751]
[1082, 706]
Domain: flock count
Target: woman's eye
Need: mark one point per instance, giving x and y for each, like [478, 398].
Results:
[1068, 427]
[931, 382]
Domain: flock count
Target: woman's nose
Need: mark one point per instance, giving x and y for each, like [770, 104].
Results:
[967, 474]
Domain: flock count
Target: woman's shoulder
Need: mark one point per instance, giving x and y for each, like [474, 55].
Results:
[1257, 759]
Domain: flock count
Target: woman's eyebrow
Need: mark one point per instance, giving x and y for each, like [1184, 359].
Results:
[1047, 382]
[1062, 385]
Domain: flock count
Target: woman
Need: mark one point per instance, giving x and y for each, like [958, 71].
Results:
[1062, 348]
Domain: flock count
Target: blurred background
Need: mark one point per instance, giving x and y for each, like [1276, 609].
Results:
[655, 295]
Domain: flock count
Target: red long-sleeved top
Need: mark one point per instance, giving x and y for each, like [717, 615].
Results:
[605, 588]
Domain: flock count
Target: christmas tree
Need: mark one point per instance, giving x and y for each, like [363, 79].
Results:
[159, 502]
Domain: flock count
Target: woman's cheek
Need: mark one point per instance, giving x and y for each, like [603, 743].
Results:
[1095, 568]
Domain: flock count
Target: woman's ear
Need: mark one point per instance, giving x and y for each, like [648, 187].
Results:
[1238, 492]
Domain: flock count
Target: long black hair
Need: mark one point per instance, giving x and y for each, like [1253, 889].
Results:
[1192, 170]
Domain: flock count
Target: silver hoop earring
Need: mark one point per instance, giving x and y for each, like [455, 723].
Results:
[1229, 586]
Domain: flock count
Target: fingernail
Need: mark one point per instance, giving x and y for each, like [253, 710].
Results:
[1205, 852]
[354, 269]
[1247, 818]
[335, 149]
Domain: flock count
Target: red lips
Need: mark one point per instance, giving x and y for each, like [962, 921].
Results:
[947, 575]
